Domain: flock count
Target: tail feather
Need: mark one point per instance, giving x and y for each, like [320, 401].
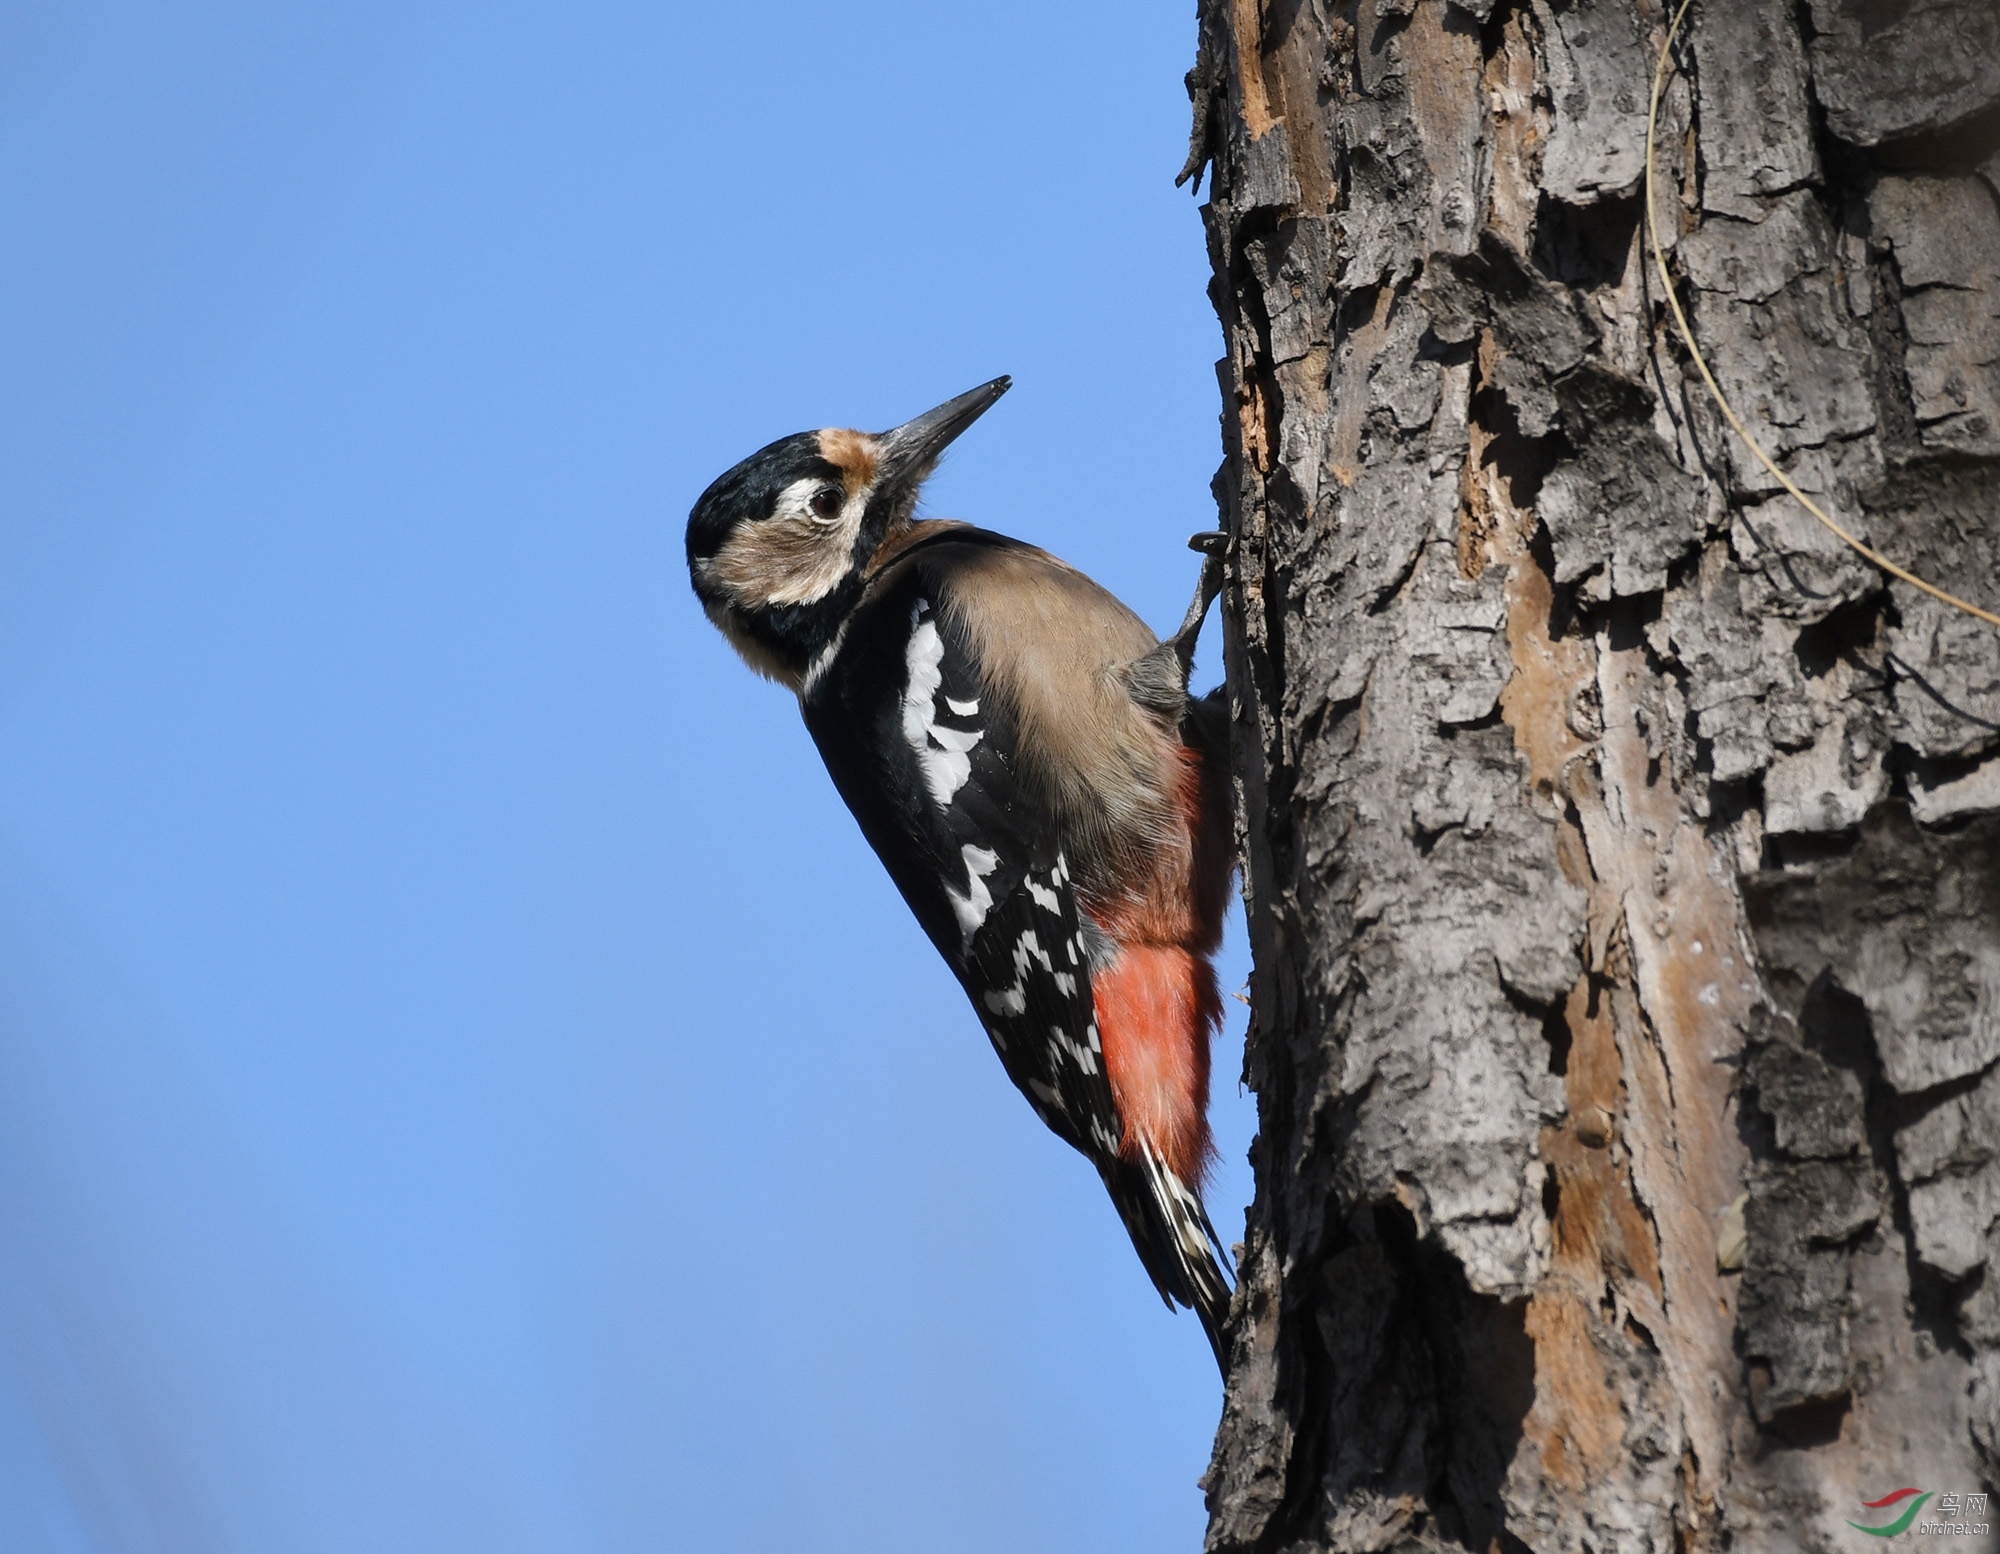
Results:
[1175, 1241]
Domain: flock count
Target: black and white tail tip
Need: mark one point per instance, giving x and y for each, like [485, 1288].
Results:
[1176, 1242]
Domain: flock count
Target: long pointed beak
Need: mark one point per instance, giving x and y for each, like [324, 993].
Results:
[908, 453]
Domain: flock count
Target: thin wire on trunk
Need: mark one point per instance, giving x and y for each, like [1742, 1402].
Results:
[1715, 391]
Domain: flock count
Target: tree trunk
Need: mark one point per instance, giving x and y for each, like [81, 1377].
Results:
[1622, 851]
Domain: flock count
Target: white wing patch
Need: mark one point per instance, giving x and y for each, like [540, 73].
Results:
[971, 906]
[943, 754]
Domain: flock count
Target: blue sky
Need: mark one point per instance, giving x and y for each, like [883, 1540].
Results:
[464, 1082]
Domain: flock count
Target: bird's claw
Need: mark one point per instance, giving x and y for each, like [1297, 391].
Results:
[1205, 589]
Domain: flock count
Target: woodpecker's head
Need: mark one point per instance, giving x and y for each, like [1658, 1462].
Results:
[778, 548]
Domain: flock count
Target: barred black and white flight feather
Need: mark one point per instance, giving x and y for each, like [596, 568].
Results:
[926, 756]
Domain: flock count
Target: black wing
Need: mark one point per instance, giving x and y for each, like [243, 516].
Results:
[926, 760]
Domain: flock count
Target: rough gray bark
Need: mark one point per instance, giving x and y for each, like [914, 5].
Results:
[1622, 852]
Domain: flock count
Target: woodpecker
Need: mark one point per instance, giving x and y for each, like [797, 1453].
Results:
[1023, 756]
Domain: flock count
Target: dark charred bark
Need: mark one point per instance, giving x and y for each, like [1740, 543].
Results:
[1622, 851]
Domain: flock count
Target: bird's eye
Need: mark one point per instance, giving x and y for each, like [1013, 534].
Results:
[828, 500]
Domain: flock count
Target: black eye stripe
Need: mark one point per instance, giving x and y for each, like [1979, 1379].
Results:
[751, 490]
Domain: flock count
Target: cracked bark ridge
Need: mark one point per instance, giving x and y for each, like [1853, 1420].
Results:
[1620, 849]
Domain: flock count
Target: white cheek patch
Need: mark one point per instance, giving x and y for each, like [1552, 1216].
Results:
[943, 754]
[791, 557]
